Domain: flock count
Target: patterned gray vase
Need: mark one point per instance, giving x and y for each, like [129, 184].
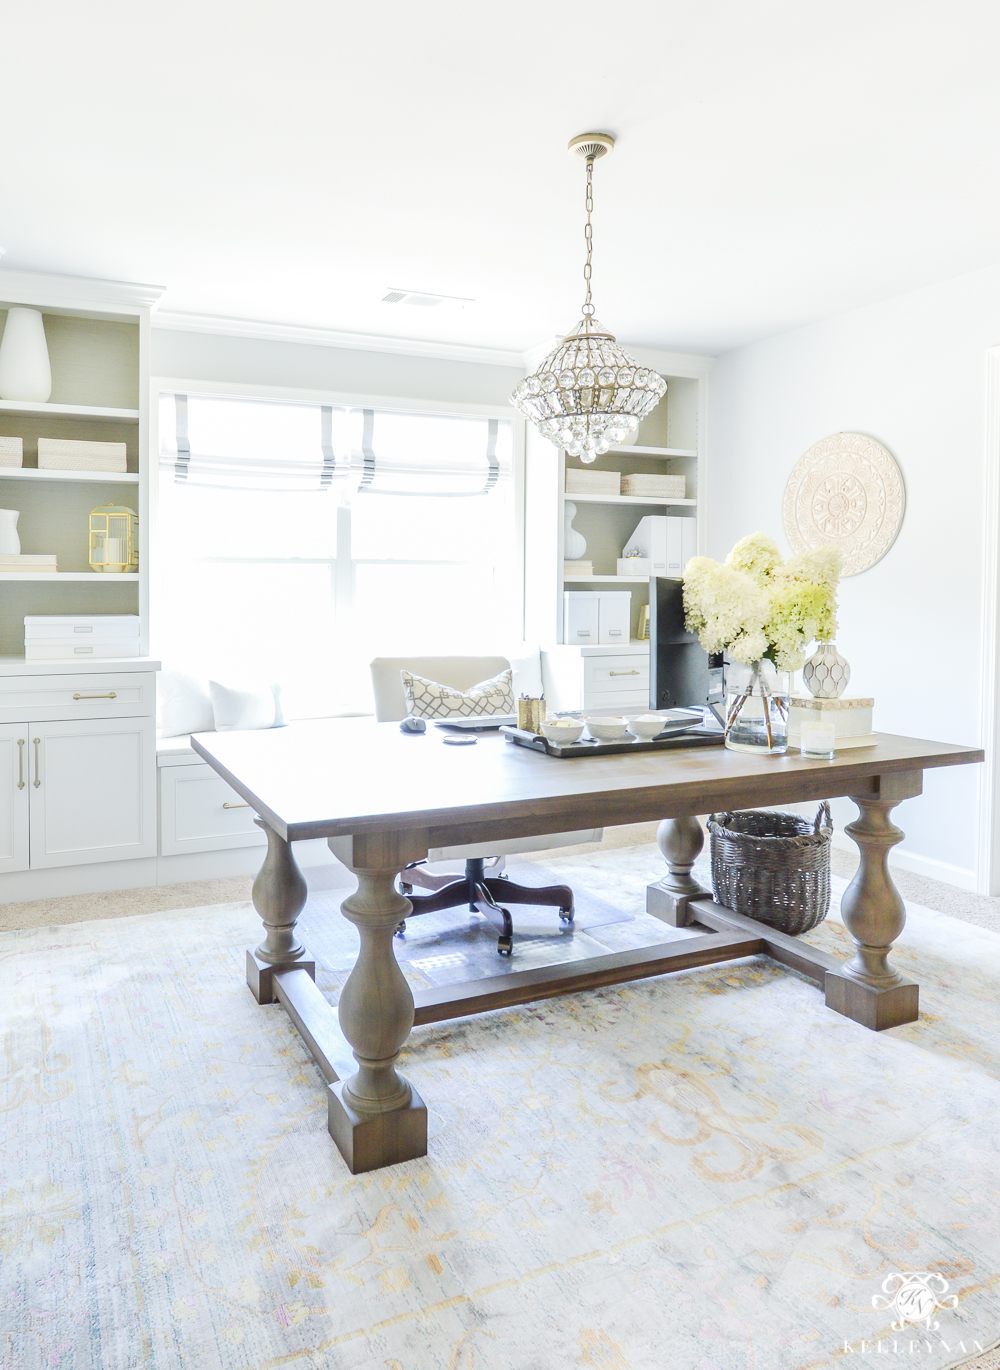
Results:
[826, 673]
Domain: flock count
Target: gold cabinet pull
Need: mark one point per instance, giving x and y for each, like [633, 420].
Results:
[623, 673]
[110, 695]
[20, 763]
[227, 805]
[37, 741]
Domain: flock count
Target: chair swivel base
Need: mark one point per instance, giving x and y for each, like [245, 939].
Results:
[483, 894]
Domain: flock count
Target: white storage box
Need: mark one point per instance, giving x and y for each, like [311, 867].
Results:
[80, 627]
[655, 486]
[669, 542]
[592, 482]
[580, 617]
[635, 566]
[108, 650]
[851, 716]
[614, 616]
[69, 454]
[11, 452]
[592, 617]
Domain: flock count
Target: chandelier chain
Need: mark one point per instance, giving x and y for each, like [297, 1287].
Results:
[588, 237]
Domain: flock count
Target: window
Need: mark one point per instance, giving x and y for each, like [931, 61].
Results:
[297, 541]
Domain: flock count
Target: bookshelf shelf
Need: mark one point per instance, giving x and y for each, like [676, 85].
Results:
[69, 411]
[93, 577]
[88, 477]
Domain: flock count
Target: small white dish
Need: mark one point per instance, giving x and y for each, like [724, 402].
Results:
[646, 727]
[607, 729]
[563, 730]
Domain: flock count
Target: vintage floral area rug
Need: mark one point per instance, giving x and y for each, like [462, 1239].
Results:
[709, 1171]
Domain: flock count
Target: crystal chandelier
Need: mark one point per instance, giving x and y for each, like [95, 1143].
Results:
[588, 393]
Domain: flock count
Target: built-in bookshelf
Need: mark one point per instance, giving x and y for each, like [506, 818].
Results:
[97, 333]
[669, 441]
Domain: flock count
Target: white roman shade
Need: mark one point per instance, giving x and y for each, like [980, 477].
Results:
[268, 445]
[223, 443]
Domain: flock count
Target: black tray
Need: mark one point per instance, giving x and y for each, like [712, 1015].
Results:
[697, 736]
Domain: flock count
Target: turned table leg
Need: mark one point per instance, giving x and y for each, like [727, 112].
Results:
[376, 1117]
[279, 895]
[867, 988]
[680, 841]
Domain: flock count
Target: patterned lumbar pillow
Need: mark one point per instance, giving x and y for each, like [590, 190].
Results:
[429, 699]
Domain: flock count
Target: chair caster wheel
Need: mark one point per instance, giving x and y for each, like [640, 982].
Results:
[504, 946]
[400, 928]
[566, 916]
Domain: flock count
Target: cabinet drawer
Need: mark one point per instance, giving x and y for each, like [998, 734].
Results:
[53, 698]
[200, 812]
[622, 698]
[615, 673]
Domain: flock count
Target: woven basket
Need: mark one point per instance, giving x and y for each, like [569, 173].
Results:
[774, 867]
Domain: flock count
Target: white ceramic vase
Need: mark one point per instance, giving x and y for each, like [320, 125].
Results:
[826, 673]
[574, 543]
[25, 373]
[10, 543]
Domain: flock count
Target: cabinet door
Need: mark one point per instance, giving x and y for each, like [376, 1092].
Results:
[14, 789]
[93, 791]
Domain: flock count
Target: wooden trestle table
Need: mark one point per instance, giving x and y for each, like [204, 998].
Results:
[384, 799]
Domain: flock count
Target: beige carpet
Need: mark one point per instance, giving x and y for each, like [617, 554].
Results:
[709, 1171]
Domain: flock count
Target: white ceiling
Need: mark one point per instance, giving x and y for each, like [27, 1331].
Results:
[776, 162]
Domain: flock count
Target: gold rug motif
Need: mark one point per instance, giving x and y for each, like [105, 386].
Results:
[710, 1171]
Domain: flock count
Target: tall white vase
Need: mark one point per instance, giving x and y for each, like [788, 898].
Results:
[10, 543]
[25, 373]
[574, 543]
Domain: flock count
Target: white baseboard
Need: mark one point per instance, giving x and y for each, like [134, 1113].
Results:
[933, 869]
[17, 887]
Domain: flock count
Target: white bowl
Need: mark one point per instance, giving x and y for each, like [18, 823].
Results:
[646, 728]
[607, 729]
[568, 730]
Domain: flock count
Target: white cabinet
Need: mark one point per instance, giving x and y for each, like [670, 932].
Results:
[13, 797]
[77, 767]
[92, 791]
[596, 677]
[199, 812]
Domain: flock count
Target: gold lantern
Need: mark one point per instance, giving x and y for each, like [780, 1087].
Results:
[114, 539]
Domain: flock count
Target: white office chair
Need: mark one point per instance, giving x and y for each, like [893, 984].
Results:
[481, 891]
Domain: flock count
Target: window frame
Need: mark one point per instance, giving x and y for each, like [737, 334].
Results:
[337, 398]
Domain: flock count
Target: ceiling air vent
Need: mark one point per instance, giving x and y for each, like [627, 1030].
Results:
[421, 299]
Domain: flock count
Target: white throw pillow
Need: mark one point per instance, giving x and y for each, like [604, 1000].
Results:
[431, 699]
[244, 709]
[183, 704]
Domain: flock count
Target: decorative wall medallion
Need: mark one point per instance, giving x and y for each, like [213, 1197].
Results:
[848, 490]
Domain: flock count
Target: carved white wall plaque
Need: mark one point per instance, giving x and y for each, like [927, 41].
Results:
[848, 490]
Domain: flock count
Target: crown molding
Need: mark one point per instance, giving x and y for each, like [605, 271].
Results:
[75, 292]
[330, 337]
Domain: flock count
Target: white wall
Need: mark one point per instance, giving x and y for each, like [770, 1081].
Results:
[911, 373]
[258, 361]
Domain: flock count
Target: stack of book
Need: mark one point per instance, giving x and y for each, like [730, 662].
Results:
[578, 568]
[28, 561]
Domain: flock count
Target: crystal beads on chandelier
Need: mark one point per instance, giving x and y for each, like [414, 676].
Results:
[588, 393]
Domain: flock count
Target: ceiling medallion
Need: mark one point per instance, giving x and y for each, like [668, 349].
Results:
[588, 393]
[846, 490]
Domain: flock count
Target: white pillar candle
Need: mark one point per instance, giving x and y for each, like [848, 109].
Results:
[818, 739]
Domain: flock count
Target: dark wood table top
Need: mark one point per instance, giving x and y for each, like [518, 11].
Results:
[344, 776]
